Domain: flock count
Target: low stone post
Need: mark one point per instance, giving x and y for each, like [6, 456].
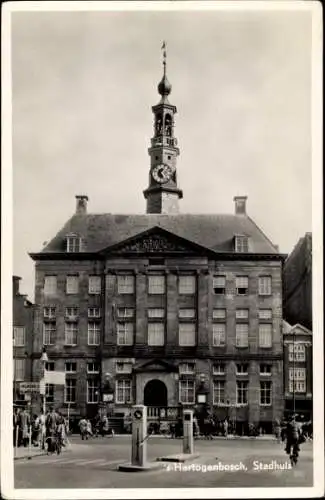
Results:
[139, 435]
[188, 441]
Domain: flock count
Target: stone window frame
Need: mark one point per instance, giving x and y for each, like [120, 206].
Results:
[187, 288]
[219, 388]
[49, 312]
[19, 334]
[242, 285]
[50, 366]
[219, 283]
[265, 393]
[50, 284]
[95, 364]
[94, 284]
[241, 243]
[265, 331]
[126, 388]
[73, 368]
[242, 344]
[70, 329]
[265, 373]
[93, 390]
[70, 385]
[181, 331]
[242, 392]
[186, 386]
[49, 332]
[19, 369]
[156, 288]
[71, 313]
[93, 333]
[221, 334]
[72, 284]
[296, 353]
[156, 328]
[128, 286]
[265, 285]
[126, 325]
[73, 243]
[94, 309]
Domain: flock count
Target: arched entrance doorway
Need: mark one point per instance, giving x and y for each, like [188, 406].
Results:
[155, 393]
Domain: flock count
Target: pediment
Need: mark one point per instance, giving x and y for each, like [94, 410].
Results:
[156, 241]
[155, 365]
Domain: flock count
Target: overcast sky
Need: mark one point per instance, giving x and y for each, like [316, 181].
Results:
[83, 84]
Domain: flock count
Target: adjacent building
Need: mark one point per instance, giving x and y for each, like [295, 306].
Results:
[23, 324]
[161, 305]
[298, 371]
[297, 284]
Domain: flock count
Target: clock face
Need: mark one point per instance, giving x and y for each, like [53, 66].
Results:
[162, 173]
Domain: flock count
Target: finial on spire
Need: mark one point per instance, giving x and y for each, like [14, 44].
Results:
[164, 87]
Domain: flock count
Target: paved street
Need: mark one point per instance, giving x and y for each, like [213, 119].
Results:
[92, 464]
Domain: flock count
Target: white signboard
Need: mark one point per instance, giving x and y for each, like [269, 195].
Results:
[25, 387]
[54, 377]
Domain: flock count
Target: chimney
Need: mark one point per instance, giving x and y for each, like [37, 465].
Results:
[81, 206]
[15, 285]
[240, 205]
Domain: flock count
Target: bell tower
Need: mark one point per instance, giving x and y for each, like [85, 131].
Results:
[162, 195]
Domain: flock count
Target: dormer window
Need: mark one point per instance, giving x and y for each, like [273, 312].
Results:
[241, 243]
[73, 242]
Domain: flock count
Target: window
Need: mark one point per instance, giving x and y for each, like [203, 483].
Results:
[242, 369]
[186, 285]
[125, 333]
[71, 332]
[219, 285]
[297, 386]
[186, 333]
[49, 393]
[50, 366]
[266, 393]
[297, 352]
[241, 244]
[265, 335]
[71, 312]
[93, 333]
[123, 391]
[242, 285]
[156, 334]
[219, 334]
[19, 336]
[93, 367]
[92, 391]
[93, 312]
[265, 314]
[73, 243]
[49, 331]
[156, 313]
[219, 369]
[125, 312]
[49, 312]
[186, 368]
[241, 313]
[241, 335]
[242, 390]
[186, 391]
[297, 374]
[70, 390]
[70, 367]
[19, 370]
[94, 285]
[186, 313]
[125, 284]
[265, 369]
[156, 285]
[265, 285]
[218, 392]
[122, 367]
[219, 314]
[72, 285]
[50, 285]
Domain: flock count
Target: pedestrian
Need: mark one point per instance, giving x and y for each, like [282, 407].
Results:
[42, 433]
[292, 438]
[35, 429]
[104, 426]
[51, 424]
[277, 430]
[225, 428]
[89, 428]
[16, 426]
[25, 426]
[83, 428]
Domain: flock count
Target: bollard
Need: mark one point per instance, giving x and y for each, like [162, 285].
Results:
[188, 442]
[139, 435]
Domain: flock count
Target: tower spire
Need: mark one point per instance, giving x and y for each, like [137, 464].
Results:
[162, 194]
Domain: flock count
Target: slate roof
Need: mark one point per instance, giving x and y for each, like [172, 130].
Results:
[215, 232]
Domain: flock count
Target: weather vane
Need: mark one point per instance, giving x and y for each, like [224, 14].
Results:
[163, 48]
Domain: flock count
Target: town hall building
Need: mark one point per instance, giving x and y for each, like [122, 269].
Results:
[164, 308]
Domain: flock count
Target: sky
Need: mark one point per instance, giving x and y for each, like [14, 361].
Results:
[83, 84]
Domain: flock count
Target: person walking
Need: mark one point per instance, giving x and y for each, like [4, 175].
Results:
[83, 428]
[225, 428]
[89, 428]
[16, 426]
[42, 432]
[50, 425]
[25, 426]
[277, 430]
[292, 435]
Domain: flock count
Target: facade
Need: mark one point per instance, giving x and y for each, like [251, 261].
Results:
[163, 305]
[23, 324]
[298, 371]
[297, 284]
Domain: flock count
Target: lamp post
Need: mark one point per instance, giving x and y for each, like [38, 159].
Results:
[44, 360]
